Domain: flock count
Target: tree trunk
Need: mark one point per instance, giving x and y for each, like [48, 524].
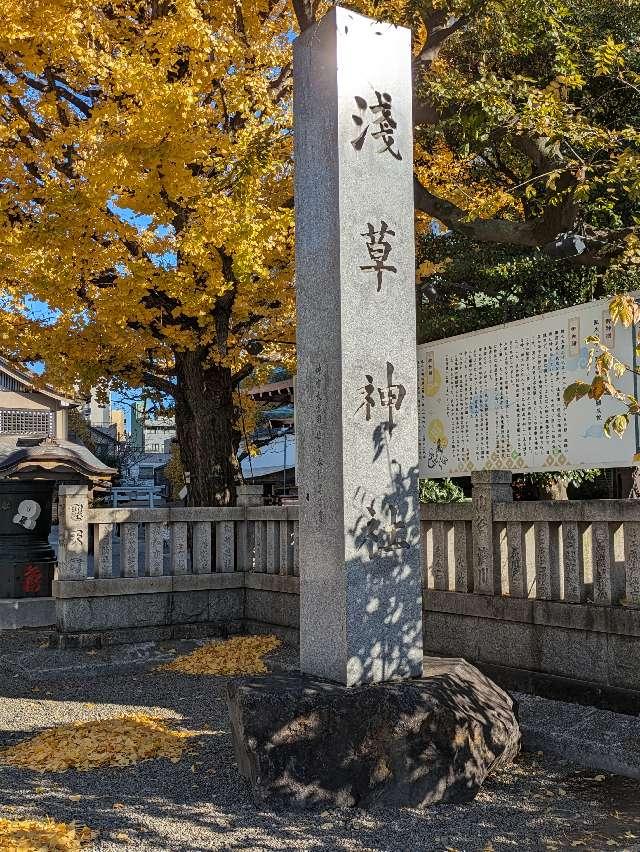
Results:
[206, 430]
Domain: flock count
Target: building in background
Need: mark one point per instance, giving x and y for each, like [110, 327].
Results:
[119, 421]
[34, 432]
[149, 433]
[25, 410]
[137, 423]
[153, 436]
[95, 412]
[158, 434]
[104, 416]
[275, 465]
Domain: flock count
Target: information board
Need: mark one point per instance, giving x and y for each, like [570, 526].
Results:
[493, 399]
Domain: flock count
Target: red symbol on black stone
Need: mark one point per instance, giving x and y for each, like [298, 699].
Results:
[32, 580]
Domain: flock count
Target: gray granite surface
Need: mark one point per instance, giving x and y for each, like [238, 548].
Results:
[360, 564]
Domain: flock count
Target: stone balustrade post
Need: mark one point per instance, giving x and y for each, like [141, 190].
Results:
[488, 488]
[250, 495]
[73, 550]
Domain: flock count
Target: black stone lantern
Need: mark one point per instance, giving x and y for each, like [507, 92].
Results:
[28, 477]
[27, 559]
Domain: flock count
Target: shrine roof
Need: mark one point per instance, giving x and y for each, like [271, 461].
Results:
[273, 392]
[31, 382]
[24, 458]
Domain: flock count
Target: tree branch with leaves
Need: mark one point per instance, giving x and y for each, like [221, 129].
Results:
[608, 369]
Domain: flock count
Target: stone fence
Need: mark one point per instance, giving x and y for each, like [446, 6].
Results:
[540, 592]
[139, 574]
[543, 596]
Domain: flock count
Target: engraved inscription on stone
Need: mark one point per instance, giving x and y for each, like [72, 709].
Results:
[481, 533]
[226, 546]
[76, 510]
[74, 563]
[571, 562]
[515, 563]
[132, 547]
[179, 546]
[439, 577]
[632, 561]
[384, 532]
[379, 249]
[382, 119]
[75, 537]
[543, 567]
[389, 397]
[601, 564]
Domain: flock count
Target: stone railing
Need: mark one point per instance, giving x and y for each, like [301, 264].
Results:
[130, 543]
[574, 551]
[149, 573]
[543, 596]
[545, 590]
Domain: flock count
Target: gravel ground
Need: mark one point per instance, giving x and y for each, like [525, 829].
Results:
[201, 803]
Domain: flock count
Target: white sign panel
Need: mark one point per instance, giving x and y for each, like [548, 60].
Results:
[493, 399]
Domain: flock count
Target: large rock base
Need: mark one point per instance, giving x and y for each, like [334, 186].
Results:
[310, 743]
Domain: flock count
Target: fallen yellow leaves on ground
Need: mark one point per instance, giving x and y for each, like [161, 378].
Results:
[29, 835]
[240, 655]
[107, 742]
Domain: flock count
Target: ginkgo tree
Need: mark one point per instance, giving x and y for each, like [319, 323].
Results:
[146, 204]
[146, 194]
[537, 102]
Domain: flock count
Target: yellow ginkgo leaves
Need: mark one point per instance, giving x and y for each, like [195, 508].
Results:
[89, 745]
[241, 655]
[28, 835]
[178, 115]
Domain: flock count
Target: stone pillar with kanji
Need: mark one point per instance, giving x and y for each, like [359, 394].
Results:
[356, 405]
[73, 553]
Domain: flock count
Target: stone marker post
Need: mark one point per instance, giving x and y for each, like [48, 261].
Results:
[73, 552]
[360, 565]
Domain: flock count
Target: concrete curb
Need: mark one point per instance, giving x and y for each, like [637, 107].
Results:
[587, 736]
[27, 612]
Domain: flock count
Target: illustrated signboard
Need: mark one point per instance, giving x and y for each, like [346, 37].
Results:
[493, 399]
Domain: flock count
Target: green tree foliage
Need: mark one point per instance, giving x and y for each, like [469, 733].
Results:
[475, 285]
[525, 116]
[440, 491]
[534, 134]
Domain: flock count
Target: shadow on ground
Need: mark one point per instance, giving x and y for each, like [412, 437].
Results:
[201, 803]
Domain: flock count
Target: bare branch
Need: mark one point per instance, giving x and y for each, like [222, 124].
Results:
[243, 325]
[556, 232]
[159, 383]
[440, 26]
[483, 230]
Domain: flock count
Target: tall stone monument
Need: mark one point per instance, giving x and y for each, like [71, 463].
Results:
[360, 725]
[360, 564]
